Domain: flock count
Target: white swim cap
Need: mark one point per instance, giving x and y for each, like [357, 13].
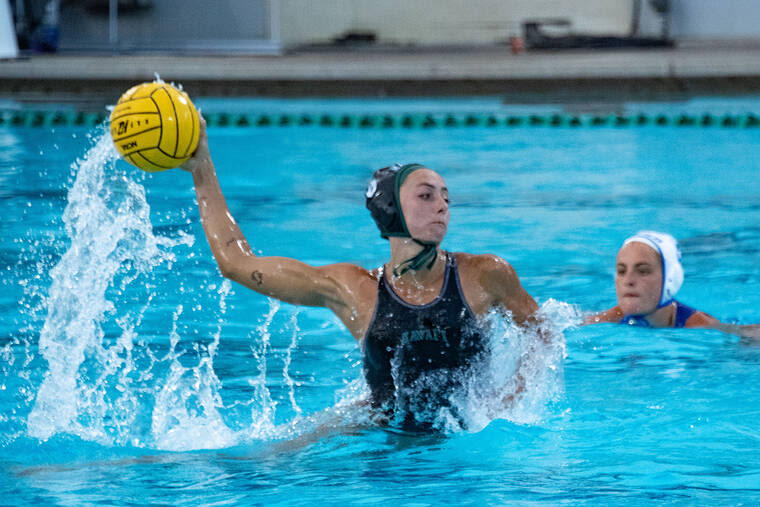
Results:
[672, 271]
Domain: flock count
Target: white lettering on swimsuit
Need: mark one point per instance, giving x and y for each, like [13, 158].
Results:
[424, 334]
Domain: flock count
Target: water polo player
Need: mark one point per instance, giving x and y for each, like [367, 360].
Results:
[647, 277]
[417, 318]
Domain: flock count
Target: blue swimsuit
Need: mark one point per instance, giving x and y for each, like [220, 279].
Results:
[683, 313]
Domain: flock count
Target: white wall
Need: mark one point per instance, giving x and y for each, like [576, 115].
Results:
[711, 19]
[308, 21]
[443, 21]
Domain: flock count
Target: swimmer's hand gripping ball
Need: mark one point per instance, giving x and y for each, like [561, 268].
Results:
[155, 126]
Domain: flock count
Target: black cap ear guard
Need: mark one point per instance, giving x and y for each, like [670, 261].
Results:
[383, 205]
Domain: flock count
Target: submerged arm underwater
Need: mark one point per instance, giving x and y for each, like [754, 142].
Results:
[751, 331]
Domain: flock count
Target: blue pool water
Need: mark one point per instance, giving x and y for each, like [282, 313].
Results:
[132, 373]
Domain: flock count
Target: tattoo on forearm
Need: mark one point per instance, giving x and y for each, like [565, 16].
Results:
[257, 277]
[233, 240]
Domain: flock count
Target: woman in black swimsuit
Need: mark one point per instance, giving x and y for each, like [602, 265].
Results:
[416, 317]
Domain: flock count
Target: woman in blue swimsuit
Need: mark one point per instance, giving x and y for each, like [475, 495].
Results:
[648, 276]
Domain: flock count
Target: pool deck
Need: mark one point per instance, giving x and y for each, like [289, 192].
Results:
[378, 72]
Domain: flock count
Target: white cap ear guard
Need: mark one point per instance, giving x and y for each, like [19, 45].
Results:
[672, 271]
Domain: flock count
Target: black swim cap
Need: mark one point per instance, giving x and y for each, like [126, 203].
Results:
[384, 204]
[383, 201]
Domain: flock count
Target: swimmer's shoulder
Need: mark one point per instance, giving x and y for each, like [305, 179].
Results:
[614, 314]
[486, 280]
[701, 319]
[484, 267]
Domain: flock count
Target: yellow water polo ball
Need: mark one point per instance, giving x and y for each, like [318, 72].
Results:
[155, 126]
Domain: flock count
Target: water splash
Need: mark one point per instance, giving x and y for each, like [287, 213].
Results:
[85, 390]
[286, 367]
[526, 368]
[519, 380]
[263, 410]
[186, 415]
[106, 383]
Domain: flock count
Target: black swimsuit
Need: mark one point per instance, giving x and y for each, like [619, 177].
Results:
[416, 356]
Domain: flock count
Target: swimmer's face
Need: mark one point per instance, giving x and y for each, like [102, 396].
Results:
[425, 203]
[638, 279]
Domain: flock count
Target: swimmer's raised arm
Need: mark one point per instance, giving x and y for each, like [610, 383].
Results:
[282, 278]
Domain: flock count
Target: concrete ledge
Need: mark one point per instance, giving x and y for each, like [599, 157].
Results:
[490, 70]
[102, 92]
